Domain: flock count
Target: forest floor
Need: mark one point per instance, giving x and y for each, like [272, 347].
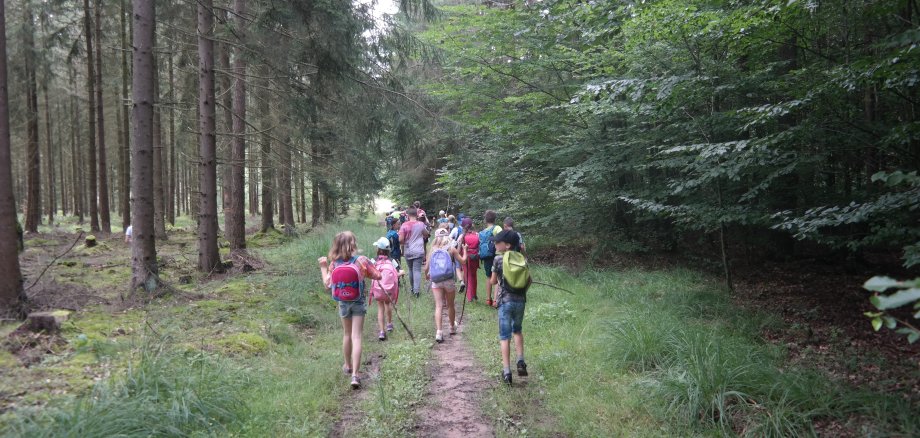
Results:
[642, 348]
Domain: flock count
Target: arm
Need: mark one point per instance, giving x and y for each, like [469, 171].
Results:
[460, 254]
[324, 270]
[493, 279]
[370, 271]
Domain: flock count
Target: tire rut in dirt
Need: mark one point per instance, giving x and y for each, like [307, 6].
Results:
[454, 396]
[350, 420]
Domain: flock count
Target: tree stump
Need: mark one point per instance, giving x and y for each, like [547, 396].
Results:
[90, 241]
[48, 322]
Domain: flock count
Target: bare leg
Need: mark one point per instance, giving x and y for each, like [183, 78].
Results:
[389, 313]
[357, 326]
[451, 311]
[346, 341]
[381, 308]
[518, 344]
[506, 353]
[438, 307]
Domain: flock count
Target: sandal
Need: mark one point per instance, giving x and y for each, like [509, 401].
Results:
[355, 382]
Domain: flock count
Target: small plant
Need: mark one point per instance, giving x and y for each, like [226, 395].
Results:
[907, 293]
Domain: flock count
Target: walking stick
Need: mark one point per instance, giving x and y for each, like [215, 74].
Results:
[396, 311]
[554, 287]
[462, 309]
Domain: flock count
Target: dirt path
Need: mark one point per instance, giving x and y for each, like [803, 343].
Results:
[454, 395]
[350, 419]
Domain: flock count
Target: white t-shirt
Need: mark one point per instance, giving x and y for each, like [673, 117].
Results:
[129, 232]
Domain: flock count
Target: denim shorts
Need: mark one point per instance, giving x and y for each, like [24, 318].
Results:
[487, 265]
[510, 317]
[347, 309]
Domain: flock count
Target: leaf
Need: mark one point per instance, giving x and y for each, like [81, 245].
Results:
[890, 323]
[912, 337]
[881, 283]
[876, 323]
[897, 299]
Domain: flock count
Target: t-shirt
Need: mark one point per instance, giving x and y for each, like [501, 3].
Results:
[129, 232]
[505, 295]
[395, 251]
[412, 234]
[455, 233]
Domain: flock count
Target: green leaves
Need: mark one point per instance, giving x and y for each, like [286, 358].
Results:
[908, 293]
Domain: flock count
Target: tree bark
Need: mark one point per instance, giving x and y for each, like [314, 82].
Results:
[208, 256]
[285, 187]
[144, 267]
[75, 152]
[52, 202]
[33, 180]
[223, 59]
[91, 95]
[159, 210]
[268, 209]
[315, 207]
[236, 219]
[104, 211]
[12, 296]
[171, 178]
[125, 126]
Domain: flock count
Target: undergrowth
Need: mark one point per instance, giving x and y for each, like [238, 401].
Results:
[641, 353]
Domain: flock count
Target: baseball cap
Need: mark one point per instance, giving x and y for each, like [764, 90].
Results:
[382, 243]
[508, 236]
[466, 222]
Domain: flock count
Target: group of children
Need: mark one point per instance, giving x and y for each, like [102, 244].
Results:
[456, 252]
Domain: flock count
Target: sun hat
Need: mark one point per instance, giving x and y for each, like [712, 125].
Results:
[382, 243]
[441, 232]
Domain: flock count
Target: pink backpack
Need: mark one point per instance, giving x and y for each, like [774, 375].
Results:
[388, 283]
[347, 280]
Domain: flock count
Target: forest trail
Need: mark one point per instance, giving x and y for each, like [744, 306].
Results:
[351, 418]
[457, 388]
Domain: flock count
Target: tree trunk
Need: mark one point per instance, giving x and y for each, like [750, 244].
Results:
[315, 207]
[125, 126]
[62, 177]
[223, 59]
[285, 187]
[208, 256]
[75, 152]
[91, 95]
[236, 219]
[159, 211]
[104, 213]
[52, 202]
[12, 296]
[171, 178]
[302, 189]
[143, 246]
[34, 201]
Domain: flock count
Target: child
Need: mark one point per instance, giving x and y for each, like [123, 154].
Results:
[393, 238]
[442, 256]
[511, 305]
[386, 290]
[487, 250]
[470, 244]
[508, 224]
[349, 271]
[412, 236]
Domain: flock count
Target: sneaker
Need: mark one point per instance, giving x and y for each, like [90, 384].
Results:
[356, 382]
[453, 329]
[415, 293]
[382, 336]
[522, 368]
[506, 377]
[489, 302]
[390, 327]
[438, 337]
[346, 369]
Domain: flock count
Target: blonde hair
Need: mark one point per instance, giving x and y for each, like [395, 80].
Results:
[344, 246]
[440, 242]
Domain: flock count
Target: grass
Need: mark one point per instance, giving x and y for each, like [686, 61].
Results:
[641, 353]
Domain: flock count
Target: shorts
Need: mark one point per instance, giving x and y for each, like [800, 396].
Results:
[446, 285]
[510, 318]
[487, 265]
[348, 309]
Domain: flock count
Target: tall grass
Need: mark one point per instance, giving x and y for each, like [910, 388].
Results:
[652, 353]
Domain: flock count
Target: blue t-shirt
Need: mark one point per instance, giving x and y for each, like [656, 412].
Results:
[395, 251]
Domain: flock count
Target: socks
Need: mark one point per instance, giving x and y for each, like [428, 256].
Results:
[506, 370]
[520, 358]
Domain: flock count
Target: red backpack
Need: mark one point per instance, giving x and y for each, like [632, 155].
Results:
[472, 245]
[347, 280]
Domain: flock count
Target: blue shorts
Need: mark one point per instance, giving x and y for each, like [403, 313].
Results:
[487, 265]
[510, 317]
[347, 309]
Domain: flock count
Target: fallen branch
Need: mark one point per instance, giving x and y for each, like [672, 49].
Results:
[554, 287]
[54, 260]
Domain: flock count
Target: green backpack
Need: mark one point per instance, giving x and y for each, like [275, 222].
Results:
[515, 272]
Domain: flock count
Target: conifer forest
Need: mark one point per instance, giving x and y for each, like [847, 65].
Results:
[459, 218]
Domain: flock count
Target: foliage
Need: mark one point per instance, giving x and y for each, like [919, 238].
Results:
[907, 294]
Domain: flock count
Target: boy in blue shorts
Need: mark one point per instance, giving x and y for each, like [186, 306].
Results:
[487, 250]
[511, 305]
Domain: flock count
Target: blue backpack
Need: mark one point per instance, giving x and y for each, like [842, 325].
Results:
[486, 245]
[442, 266]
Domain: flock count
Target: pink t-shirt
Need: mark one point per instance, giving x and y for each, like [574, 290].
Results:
[412, 234]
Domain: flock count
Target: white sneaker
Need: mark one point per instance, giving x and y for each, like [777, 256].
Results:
[438, 337]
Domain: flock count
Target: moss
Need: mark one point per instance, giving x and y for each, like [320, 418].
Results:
[7, 360]
[271, 237]
[243, 344]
